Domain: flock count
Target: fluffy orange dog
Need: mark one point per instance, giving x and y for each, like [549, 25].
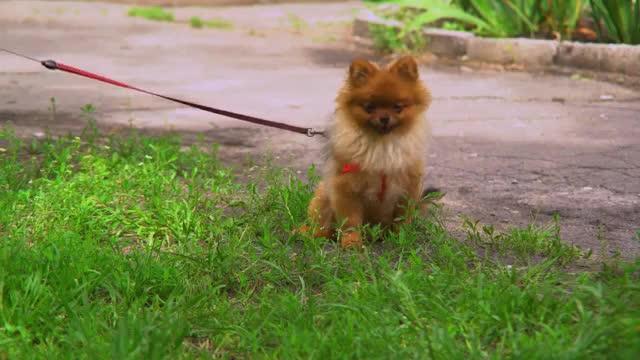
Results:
[376, 151]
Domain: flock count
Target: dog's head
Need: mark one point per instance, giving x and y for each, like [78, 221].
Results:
[384, 100]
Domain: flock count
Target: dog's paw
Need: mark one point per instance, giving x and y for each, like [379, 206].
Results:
[308, 231]
[302, 230]
[351, 240]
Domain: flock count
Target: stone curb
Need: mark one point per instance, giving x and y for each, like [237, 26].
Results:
[624, 59]
[448, 43]
[621, 59]
[528, 52]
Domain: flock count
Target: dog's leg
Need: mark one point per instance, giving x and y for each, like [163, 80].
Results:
[320, 214]
[348, 208]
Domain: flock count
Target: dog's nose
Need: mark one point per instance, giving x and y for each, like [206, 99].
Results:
[384, 120]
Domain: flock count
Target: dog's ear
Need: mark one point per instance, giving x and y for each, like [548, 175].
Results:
[405, 67]
[361, 71]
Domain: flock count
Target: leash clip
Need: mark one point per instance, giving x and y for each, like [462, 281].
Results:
[50, 64]
[311, 132]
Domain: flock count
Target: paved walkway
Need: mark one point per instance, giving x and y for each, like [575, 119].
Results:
[509, 148]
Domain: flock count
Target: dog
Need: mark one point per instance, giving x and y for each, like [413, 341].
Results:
[376, 151]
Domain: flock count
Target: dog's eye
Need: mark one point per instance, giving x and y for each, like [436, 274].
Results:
[368, 107]
[398, 107]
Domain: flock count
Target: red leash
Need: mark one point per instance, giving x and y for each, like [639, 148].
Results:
[53, 65]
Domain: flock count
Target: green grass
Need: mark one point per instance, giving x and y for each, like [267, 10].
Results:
[222, 24]
[152, 13]
[140, 247]
[159, 14]
[296, 22]
[621, 19]
[387, 39]
[196, 22]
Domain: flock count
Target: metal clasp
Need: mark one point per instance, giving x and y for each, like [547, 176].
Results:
[311, 132]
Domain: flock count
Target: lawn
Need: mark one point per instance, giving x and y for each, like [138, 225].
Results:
[143, 247]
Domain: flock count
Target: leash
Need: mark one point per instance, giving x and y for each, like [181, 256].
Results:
[54, 65]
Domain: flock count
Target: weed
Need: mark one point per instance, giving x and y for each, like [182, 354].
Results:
[219, 24]
[621, 19]
[52, 108]
[256, 33]
[452, 25]
[198, 23]
[580, 77]
[152, 13]
[389, 39]
[297, 23]
[616, 21]
[143, 247]
[561, 16]
[386, 37]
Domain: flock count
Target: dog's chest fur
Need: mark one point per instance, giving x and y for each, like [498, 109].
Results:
[389, 153]
[392, 156]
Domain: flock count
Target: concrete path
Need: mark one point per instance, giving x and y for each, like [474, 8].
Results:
[509, 148]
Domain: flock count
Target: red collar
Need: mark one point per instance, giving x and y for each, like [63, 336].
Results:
[356, 168]
[350, 168]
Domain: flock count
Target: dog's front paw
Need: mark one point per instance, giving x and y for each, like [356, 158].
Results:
[302, 230]
[351, 240]
[308, 231]
[398, 224]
